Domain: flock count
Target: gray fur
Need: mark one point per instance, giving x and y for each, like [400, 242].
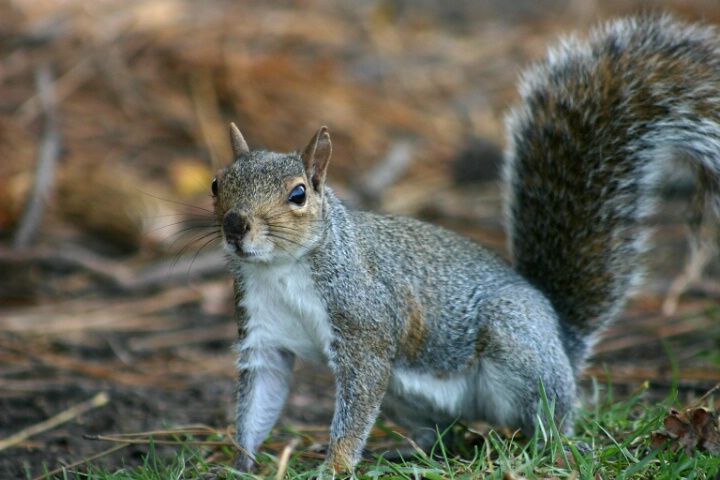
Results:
[432, 327]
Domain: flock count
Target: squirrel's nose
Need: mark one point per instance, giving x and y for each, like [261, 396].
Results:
[236, 224]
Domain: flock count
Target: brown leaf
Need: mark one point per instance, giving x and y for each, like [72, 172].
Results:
[659, 439]
[692, 429]
[706, 423]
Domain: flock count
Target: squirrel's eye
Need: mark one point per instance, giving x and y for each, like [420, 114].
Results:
[297, 196]
[213, 187]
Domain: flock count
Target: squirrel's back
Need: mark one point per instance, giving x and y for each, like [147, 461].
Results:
[598, 124]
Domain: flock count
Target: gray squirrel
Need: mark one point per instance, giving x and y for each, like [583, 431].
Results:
[430, 327]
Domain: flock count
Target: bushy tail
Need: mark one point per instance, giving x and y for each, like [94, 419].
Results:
[597, 128]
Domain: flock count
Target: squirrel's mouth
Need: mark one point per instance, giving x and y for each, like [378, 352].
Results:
[237, 250]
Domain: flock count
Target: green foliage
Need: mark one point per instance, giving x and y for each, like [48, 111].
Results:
[612, 442]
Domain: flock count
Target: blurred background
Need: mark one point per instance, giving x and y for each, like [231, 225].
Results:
[113, 120]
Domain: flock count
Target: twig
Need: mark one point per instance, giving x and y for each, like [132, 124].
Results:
[702, 251]
[184, 269]
[386, 172]
[191, 336]
[144, 438]
[148, 441]
[75, 257]
[161, 274]
[657, 376]
[191, 429]
[48, 156]
[99, 400]
[67, 84]
[285, 458]
[83, 461]
[700, 400]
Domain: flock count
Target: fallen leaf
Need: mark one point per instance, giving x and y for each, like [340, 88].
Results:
[692, 429]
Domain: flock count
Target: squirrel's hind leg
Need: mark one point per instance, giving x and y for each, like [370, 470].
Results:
[525, 349]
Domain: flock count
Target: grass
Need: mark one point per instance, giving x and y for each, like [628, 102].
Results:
[616, 431]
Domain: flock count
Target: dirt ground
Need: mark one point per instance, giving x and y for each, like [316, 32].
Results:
[114, 288]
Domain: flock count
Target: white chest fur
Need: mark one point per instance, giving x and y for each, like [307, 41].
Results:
[486, 392]
[285, 310]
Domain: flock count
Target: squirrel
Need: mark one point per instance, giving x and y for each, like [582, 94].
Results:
[429, 326]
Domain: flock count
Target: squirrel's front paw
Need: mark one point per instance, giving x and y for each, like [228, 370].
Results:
[339, 465]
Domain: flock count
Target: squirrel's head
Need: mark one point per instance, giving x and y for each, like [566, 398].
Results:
[269, 205]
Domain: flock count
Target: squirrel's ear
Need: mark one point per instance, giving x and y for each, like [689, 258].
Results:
[239, 145]
[316, 157]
